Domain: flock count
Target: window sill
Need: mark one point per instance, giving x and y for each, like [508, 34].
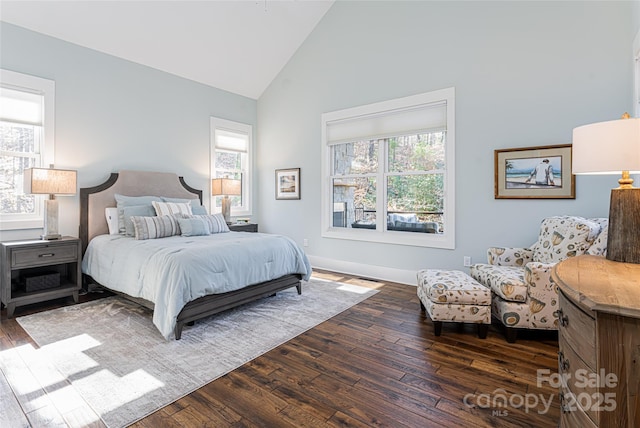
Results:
[415, 239]
[21, 224]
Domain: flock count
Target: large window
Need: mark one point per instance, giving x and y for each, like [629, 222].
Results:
[231, 144]
[26, 140]
[389, 171]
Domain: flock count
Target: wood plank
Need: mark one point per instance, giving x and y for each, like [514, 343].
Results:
[246, 399]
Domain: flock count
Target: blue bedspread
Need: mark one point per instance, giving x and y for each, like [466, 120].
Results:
[170, 272]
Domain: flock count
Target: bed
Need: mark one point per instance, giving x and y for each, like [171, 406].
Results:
[195, 297]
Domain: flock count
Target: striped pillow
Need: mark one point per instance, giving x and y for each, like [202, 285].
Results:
[171, 208]
[155, 227]
[215, 221]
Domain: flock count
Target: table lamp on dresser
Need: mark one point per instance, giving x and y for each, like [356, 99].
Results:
[613, 147]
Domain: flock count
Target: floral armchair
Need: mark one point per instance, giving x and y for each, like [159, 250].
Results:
[523, 293]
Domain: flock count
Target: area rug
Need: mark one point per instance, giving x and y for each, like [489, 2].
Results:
[118, 362]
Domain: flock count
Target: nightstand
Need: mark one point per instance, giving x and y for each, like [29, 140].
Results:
[37, 270]
[243, 227]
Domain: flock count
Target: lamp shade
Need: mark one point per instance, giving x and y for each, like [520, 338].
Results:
[613, 147]
[226, 187]
[49, 181]
[607, 147]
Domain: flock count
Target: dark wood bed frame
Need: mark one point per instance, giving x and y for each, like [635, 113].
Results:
[93, 201]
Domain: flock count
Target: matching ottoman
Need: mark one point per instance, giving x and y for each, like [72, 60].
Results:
[453, 296]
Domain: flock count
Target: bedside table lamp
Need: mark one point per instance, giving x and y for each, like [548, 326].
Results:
[613, 147]
[50, 182]
[226, 187]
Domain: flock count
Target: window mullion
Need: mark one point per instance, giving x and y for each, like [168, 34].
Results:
[381, 188]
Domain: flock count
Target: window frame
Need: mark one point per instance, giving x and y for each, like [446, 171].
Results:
[380, 234]
[246, 168]
[45, 157]
[636, 74]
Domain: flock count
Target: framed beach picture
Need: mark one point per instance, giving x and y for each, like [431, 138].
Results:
[288, 183]
[542, 172]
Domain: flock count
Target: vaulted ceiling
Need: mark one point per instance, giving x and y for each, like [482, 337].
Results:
[237, 45]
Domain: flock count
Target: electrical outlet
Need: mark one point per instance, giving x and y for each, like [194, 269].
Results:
[467, 261]
[305, 242]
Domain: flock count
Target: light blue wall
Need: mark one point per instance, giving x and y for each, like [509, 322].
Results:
[525, 73]
[635, 15]
[112, 114]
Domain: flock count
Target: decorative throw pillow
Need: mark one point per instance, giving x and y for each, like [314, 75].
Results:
[599, 246]
[196, 207]
[198, 210]
[215, 221]
[155, 227]
[127, 201]
[111, 215]
[562, 237]
[193, 226]
[135, 210]
[171, 208]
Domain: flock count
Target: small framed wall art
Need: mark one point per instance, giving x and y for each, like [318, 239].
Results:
[288, 183]
[542, 172]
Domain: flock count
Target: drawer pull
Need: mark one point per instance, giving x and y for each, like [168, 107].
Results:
[564, 406]
[46, 255]
[564, 320]
[564, 363]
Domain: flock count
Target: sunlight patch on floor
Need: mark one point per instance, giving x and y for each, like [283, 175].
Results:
[72, 351]
[17, 371]
[38, 385]
[126, 388]
[358, 285]
[354, 288]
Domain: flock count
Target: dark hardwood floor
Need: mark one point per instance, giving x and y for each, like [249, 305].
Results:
[376, 364]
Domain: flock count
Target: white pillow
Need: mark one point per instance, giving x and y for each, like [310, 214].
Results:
[171, 208]
[112, 220]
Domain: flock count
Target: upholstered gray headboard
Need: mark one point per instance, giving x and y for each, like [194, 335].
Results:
[94, 200]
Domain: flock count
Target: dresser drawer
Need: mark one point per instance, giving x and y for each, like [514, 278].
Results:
[578, 330]
[579, 378]
[571, 416]
[43, 255]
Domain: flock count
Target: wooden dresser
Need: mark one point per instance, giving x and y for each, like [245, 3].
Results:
[599, 339]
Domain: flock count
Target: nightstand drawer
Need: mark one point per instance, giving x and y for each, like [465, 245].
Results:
[44, 255]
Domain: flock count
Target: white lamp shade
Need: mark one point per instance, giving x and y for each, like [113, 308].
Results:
[607, 147]
[49, 181]
[226, 187]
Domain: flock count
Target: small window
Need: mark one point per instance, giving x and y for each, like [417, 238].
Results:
[389, 169]
[26, 141]
[231, 144]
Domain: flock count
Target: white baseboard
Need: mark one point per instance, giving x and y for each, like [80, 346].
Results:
[368, 271]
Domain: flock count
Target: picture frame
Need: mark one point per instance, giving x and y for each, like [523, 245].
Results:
[542, 172]
[288, 183]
